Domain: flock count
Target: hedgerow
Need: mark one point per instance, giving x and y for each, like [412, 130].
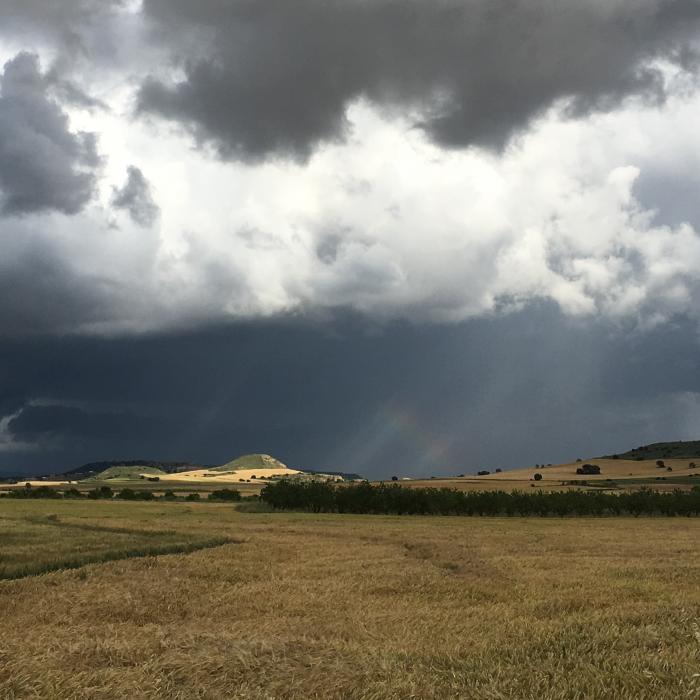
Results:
[394, 499]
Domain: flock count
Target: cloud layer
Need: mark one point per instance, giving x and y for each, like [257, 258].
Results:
[433, 161]
[277, 78]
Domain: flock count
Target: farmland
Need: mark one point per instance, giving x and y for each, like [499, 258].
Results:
[293, 605]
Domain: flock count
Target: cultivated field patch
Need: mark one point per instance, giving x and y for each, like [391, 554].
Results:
[361, 607]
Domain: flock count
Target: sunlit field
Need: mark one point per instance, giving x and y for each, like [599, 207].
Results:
[290, 605]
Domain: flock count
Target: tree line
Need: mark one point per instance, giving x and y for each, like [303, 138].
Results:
[106, 493]
[395, 499]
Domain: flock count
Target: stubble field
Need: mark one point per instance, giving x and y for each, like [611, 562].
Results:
[304, 606]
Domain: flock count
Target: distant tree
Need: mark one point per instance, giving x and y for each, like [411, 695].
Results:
[192, 497]
[538, 477]
[225, 495]
[169, 496]
[616, 456]
[498, 471]
[669, 469]
[394, 478]
[483, 472]
[660, 463]
[588, 469]
[100, 493]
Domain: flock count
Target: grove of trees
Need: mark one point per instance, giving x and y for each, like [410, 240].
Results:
[394, 499]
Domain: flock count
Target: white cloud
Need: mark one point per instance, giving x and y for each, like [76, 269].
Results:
[387, 223]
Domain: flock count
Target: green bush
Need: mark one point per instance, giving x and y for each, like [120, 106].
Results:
[225, 495]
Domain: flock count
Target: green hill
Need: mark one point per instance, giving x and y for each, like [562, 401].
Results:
[255, 461]
[94, 468]
[126, 473]
[663, 450]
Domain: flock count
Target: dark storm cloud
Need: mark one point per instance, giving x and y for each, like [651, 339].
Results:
[41, 424]
[276, 77]
[522, 389]
[136, 198]
[40, 293]
[49, 17]
[43, 165]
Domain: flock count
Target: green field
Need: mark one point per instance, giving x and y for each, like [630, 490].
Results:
[329, 606]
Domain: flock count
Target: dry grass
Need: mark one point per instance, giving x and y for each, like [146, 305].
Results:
[359, 607]
[232, 477]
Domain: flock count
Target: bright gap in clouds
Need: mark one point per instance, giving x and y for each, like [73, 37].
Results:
[385, 223]
[393, 226]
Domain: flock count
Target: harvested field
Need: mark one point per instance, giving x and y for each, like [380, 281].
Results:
[303, 606]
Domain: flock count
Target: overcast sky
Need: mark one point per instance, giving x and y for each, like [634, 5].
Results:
[383, 236]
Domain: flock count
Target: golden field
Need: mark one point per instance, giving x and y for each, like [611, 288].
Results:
[626, 474]
[359, 607]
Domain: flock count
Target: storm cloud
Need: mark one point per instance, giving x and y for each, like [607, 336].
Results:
[136, 198]
[276, 78]
[44, 165]
[533, 387]
[385, 236]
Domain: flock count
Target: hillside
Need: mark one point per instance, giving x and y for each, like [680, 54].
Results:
[253, 461]
[94, 468]
[662, 450]
[614, 473]
[127, 473]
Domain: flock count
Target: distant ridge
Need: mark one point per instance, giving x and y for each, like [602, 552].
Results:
[661, 450]
[94, 468]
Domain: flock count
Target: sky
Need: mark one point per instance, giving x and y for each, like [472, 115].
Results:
[404, 237]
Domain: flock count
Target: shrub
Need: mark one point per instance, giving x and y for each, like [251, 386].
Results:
[394, 478]
[538, 477]
[192, 497]
[225, 495]
[131, 495]
[169, 496]
[589, 469]
[483, 472]
[100, 493]
[660, 464]
[498, 471]
[669, 469]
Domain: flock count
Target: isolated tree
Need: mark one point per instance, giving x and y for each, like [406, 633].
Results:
[538, 477]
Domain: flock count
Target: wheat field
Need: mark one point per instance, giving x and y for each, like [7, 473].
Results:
[360, 607]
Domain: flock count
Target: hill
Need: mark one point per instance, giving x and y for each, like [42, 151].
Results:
[95, 468]
[662, 450]
[125, 473]
[254, 461]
